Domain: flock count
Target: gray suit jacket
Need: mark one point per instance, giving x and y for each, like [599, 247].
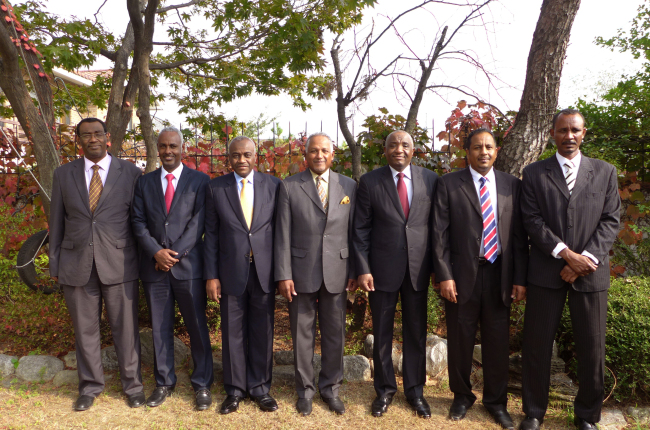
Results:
[77, 236]
[311, 246]
[587, 219]
[458, 232]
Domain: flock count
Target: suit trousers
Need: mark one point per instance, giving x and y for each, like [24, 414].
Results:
[192, 299]
[247, 330]
[588, 317]
[330, 309]
[85, 307]
[414, 333]
[486, 306]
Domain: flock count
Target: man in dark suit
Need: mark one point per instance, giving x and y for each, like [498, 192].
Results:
[168, 216]
[93, 255]
[392, 250]
[480, 258]
[570, 208]
[240, 208]
[312, 265]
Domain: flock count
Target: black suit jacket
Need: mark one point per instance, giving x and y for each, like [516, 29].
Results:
[79, 237]
[458, 232]
[228, 241]
[181, 230]
[587, 219]
[385, 243]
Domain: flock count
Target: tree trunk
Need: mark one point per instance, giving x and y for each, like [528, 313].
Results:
[38, 127]
[528, 136]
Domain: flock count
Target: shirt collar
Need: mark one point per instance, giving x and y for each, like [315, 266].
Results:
[476, 175]
[249, 178]
[325, 176]
[176, 172]
[407, 171]
[575, 162]
[104, 163]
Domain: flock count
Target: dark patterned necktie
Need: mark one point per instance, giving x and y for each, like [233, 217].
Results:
[95, 189]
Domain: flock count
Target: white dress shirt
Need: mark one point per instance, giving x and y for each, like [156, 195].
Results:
[250, 190]
[408, 180]
[491, 185]
[103, 164]
[177, 176]
[575, 164]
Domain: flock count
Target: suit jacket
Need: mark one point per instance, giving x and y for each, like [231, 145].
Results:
[311, 245]
[385, 243]
[458, 233]
[78, 237]
[587, 219]
[181, 230]
[228, 241]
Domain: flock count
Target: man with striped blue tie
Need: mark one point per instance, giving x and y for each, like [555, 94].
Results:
[480, 259]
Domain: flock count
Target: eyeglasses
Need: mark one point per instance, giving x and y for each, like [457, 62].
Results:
[87, 136]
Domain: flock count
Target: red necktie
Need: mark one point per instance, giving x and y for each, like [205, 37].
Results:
[403, 194]
[169, 192]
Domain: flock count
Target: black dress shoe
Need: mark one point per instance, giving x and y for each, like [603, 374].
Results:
[502, 417]
[266, 403]
[335, 404]
[457, 411]
[583, 424]
[380, 405]
[135, 400]
[420, 406]
[530, 423]
[203, 399]
[231, 404]
[304, 406]
[83, 403]
[158, 396]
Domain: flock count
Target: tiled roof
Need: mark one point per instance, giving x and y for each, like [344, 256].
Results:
[92, 74]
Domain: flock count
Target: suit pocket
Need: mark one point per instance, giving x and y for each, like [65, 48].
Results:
[297, 252]
[67, 244]
[124, 243]
[344, 253]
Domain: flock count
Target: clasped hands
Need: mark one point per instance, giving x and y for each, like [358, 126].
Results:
[165, 259]
[577, 265]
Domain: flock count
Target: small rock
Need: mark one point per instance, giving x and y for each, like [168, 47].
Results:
[477, 378]
[109, 358]
[181, 351]
[66, 377]
[612, 419]
[432, 339]
[368, 345]
[284, 375]
[7, 367]
[71, 359]
[356, 368]
[478, 354]
[6, 383]
[396, 355]
[35, 368]
[436, 356]
[283, 358]
[641, 415]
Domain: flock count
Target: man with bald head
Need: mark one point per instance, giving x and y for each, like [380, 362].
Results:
[240, 209]
[168, 216]
[392, 251]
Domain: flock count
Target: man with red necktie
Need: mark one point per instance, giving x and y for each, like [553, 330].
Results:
[480, 258]
[168, 220]
[392, 250]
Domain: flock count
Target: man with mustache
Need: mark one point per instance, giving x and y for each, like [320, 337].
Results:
[570, 208]
[480, 258]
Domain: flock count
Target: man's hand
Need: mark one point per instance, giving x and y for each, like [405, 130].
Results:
[568, 275]
[518, 293]
[352, 285]
[286, 289]
[448, 290]
[580, 264]
[213, 288]
[366, 282]
[165, 259]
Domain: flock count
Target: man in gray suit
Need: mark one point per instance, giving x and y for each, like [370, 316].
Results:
[570, 208]
[93, 255]
[312, 264]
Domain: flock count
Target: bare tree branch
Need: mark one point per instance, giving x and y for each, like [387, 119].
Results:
[177, 6]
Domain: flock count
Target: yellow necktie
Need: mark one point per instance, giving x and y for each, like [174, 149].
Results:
[321, 191]
[95, 189]
[246, 207]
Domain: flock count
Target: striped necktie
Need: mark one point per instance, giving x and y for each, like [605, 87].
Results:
[321, 191]
[570, 177]
[95, 189]
[489, 224]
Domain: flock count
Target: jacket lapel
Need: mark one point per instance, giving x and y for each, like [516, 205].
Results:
[391, 189]
[554, 172]
[469, 189]
[418, 189]
[157, 186]
[182, 183]
[233, 198]
[585, 174]
[79, 177]
[336, 194]
[259, 187]
[309, 188]
[503, 191]
[114, 172]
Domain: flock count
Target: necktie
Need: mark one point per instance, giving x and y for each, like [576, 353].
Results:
[570, 177]
[246, 206]
[321, 192]
[95, 189]
[169, 192]
[403, 194]
[489, 224]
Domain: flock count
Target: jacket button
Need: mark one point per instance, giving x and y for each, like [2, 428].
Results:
[166, 223]
[94, 222]
[404, 247]
[570, 226]
[250, 234]
[91, 244]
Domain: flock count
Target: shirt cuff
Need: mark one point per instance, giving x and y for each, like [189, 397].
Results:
[558, 248]
[590, 256]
